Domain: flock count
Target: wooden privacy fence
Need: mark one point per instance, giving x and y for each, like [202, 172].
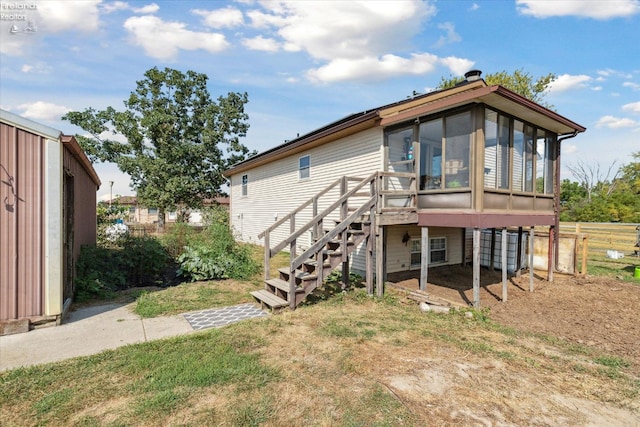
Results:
[605, 237]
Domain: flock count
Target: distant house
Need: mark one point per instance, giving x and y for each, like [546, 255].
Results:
[143, 215]
[47, 212]
[402, 186]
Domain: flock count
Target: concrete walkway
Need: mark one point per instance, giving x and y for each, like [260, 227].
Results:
[94, 329]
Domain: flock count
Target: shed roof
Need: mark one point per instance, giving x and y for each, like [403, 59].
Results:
[466, 93]
[68, 141]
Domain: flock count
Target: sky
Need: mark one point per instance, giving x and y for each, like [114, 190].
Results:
[305, 64]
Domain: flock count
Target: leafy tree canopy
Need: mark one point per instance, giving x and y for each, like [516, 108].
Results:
[602, 197]
[519, 81]
[172, 139]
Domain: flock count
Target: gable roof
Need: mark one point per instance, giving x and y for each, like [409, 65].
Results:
[468, 92]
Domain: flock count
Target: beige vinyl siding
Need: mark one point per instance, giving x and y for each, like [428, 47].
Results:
[399, 254]
[274, 189]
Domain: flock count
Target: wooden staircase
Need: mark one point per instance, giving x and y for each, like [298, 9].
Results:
[309, 276]
[353, 215]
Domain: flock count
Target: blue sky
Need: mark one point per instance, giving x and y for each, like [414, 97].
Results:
[308, 63]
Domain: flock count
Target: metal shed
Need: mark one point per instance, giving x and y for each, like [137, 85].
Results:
[47, 212]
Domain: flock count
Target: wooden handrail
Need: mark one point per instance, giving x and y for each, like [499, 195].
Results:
[323, 214]
[373, 204]
[297, 262]
[299, 208]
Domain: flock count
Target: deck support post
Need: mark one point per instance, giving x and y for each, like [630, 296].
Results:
[551, 257]
[531, 237]
[503, 250]
[424, 258]
[519, 253]
[476, 268]
[380, 261]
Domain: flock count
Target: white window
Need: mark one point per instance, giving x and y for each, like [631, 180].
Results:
[416, 253]
[304, 167]
[245, 182]
[437, 250]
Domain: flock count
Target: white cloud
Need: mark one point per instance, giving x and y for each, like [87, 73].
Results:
[633, 107]
[596, 9]
[150, 8]
[163, 40]
[121, 5]
[566, 82]
[349, 29]
[68, 15]
[114, 7]
[616, 122]
[228, 17]
[41, 110]
[372, 68]
[355, 39]
[451, 35]
[633, 86]
[261, 43]
[457, 66]
[474, 6]
[569, 148]
[37, 68]
[608, 72]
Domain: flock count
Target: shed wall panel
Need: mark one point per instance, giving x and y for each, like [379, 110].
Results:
[84, 203]
[22, 237]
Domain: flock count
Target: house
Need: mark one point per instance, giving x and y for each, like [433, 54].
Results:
[403, 186]
[142, 215]
[47, 212]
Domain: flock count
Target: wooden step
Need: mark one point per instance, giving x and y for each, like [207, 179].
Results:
[269, 300]
[281, 285]
[300, 275]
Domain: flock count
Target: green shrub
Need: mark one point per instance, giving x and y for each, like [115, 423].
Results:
[214, 254]
[145, 259]
[99, 272]
[177, 237]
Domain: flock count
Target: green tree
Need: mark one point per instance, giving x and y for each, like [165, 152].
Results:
[178, 141]
[519, 81]
[602, 195]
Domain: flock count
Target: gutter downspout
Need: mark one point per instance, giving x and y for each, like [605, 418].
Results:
[556, 200]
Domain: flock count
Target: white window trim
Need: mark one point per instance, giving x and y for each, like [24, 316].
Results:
[446, 253]
[308, 168]
[244, 186]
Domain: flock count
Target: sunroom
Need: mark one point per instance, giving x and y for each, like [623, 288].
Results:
[484, 158]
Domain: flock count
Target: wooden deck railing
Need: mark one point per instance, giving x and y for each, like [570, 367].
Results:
[373, 189]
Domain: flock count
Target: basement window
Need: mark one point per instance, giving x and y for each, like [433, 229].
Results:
[437, 249]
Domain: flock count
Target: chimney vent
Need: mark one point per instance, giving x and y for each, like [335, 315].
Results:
[473, 75]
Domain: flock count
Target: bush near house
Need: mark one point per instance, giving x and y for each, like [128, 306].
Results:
[182, 253]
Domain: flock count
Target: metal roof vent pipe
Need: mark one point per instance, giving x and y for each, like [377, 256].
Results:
[472, 75]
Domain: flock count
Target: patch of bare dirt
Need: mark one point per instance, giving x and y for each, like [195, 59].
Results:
[590, 310]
